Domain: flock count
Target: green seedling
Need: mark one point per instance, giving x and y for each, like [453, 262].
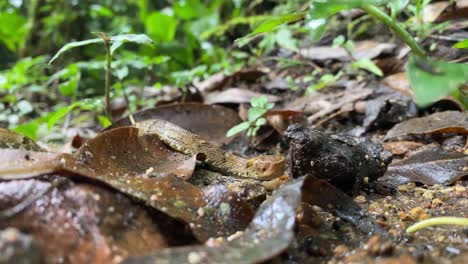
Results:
[111, 45]
[260, 106]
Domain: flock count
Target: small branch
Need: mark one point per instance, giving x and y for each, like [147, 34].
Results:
[397, 28]
[108, 76]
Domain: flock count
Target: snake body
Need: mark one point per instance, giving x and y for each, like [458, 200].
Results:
[265, 167]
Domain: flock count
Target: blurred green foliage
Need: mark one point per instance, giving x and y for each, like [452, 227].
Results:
[193, 40]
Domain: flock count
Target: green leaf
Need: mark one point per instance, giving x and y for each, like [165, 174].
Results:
[104, 121]
[161, 27]
[238, 129]
[255, 113]
[271, 24]
[189, 9]
[462, 44]
[59, 114]
[326, 8]
[260, 122]
[29, 129]
[285, 39]
[74, 45]
[432, 80]
[367, 64]
[259, 102]
[119, 40]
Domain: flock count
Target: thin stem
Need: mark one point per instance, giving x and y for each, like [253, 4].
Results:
[107, 87]
[396, 27]
[444, 220]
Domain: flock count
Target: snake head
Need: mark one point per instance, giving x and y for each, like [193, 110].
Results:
[266, 167]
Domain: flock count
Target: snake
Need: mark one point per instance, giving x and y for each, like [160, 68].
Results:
[263, 167]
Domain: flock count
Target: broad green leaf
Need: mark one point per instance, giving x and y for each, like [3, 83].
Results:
[367, 64]
[12, 29]
[189, 9]
[238, 129]
[74, 45]
[432, 80]
[271, 24]
[161, 27]
[118, 40]
[29, 129]
[462, 44]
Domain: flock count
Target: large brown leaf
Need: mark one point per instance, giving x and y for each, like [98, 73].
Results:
[211, 122]
[441, 122]
[430, 166]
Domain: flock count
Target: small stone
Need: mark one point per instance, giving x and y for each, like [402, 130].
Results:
[418, 213]
[201, 212]
[340, 250]
[194, 258]
[428, 195]
[360, 199]
[436, 202]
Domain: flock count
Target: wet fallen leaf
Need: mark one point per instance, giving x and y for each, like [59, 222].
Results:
[319, 192]
[81, 223]
[269, 233]
[430, 166]
[236, 96]
[211, 122]
[142, 167]
[399, 82]
[401, 147]
[441, 122]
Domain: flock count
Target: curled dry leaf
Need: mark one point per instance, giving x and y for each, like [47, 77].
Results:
[429, 166]
[441, 122]
[211, 122]
[236, 96]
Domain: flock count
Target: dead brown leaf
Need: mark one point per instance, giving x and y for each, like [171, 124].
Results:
[429, 166]
[441, 122]
[211, 122]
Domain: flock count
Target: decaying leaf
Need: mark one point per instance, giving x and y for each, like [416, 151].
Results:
[430, 166]
[82, 223]
[269, 233]
[401, 147]
[211, 122]
[441, 122]
[142, 167]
